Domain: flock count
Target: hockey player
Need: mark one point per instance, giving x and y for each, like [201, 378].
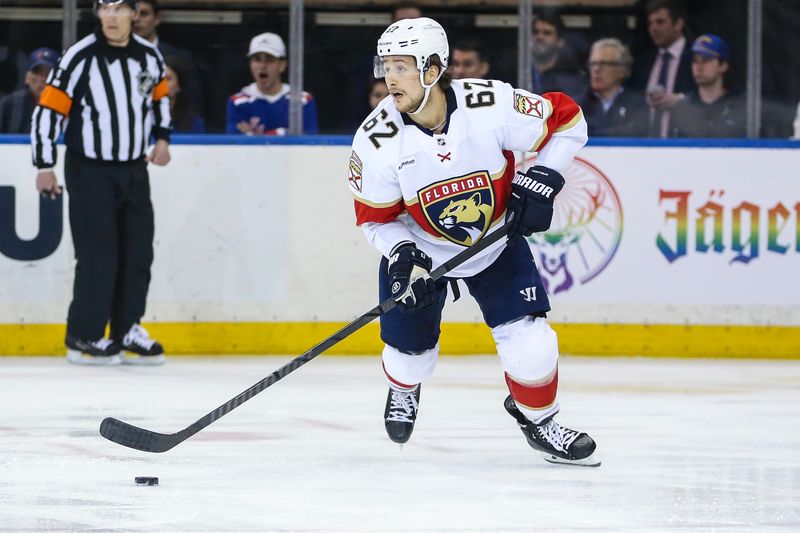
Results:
[432, 172]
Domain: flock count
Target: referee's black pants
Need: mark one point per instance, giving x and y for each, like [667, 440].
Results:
[111, 218]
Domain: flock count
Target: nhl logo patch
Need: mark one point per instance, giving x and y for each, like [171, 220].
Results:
[460, 209]
[525, 105]
[145, 83]
[355, 171]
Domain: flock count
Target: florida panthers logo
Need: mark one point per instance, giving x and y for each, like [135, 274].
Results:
[460, 209]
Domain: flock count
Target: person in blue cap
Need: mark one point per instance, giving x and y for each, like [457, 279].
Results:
[16, 108]
[712, 110]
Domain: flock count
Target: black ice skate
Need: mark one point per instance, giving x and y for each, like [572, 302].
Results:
[401, 413]
[102, 352]
[140, 349]
[559, 444]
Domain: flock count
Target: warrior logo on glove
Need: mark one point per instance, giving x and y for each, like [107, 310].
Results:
[530, 206]
[523, 180]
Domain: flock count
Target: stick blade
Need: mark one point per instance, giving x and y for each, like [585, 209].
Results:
[137, 438]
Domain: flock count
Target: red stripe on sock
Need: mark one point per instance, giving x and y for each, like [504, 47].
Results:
[394, 381]
[534, 396]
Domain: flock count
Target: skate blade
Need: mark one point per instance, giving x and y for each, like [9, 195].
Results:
[131, 358]
[592, 460]
[79, 358]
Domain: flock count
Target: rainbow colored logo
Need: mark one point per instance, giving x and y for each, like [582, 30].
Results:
[745, 231]
[586, 229]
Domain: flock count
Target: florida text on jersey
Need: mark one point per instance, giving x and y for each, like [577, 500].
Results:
[445, 192]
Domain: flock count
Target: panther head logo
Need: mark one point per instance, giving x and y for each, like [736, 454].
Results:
[470, 215]
[460, 209]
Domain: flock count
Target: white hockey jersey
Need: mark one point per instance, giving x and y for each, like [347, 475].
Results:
[445, 192]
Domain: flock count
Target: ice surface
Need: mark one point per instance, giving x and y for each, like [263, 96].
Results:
[687, 445]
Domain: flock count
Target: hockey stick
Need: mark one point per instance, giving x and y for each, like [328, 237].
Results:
[150, 441]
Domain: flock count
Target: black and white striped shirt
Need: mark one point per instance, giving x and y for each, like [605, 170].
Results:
[110, 100]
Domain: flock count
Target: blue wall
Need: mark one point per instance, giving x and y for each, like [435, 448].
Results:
[345, 140]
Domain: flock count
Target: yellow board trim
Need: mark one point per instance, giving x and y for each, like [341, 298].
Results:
[236, 338]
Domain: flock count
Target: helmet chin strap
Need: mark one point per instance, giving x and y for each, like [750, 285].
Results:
[427, 91]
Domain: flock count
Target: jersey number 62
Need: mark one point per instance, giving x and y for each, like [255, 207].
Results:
[374, 136]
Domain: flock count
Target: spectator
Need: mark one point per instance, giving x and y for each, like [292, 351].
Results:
[378, 91]
[148, 19]
[468, 61]
[555, 68]
[184, 119]
[406, 11]
[610, 109]
[664, 72]
[263, 106]
[13, 63]
[711, 110]
[16, 108]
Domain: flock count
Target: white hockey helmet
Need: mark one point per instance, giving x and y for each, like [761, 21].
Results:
[420, 38]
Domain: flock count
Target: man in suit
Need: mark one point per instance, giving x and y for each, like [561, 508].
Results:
[664, 73]
[610, 109]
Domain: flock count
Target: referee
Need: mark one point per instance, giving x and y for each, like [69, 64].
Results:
[110, 92]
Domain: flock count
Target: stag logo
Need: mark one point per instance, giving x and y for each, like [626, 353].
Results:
[586, 230]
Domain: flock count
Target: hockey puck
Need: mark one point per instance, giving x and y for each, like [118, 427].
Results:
[148, 481]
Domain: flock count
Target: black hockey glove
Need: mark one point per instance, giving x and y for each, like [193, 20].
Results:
[411, 287]
[531, 200]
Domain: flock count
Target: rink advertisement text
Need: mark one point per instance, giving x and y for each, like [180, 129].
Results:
[50, 224]
[738, 230]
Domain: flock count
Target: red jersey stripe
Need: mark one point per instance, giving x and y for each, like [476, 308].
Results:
[379, 214]
[565, 111]
[415, 210]
[502, 186]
